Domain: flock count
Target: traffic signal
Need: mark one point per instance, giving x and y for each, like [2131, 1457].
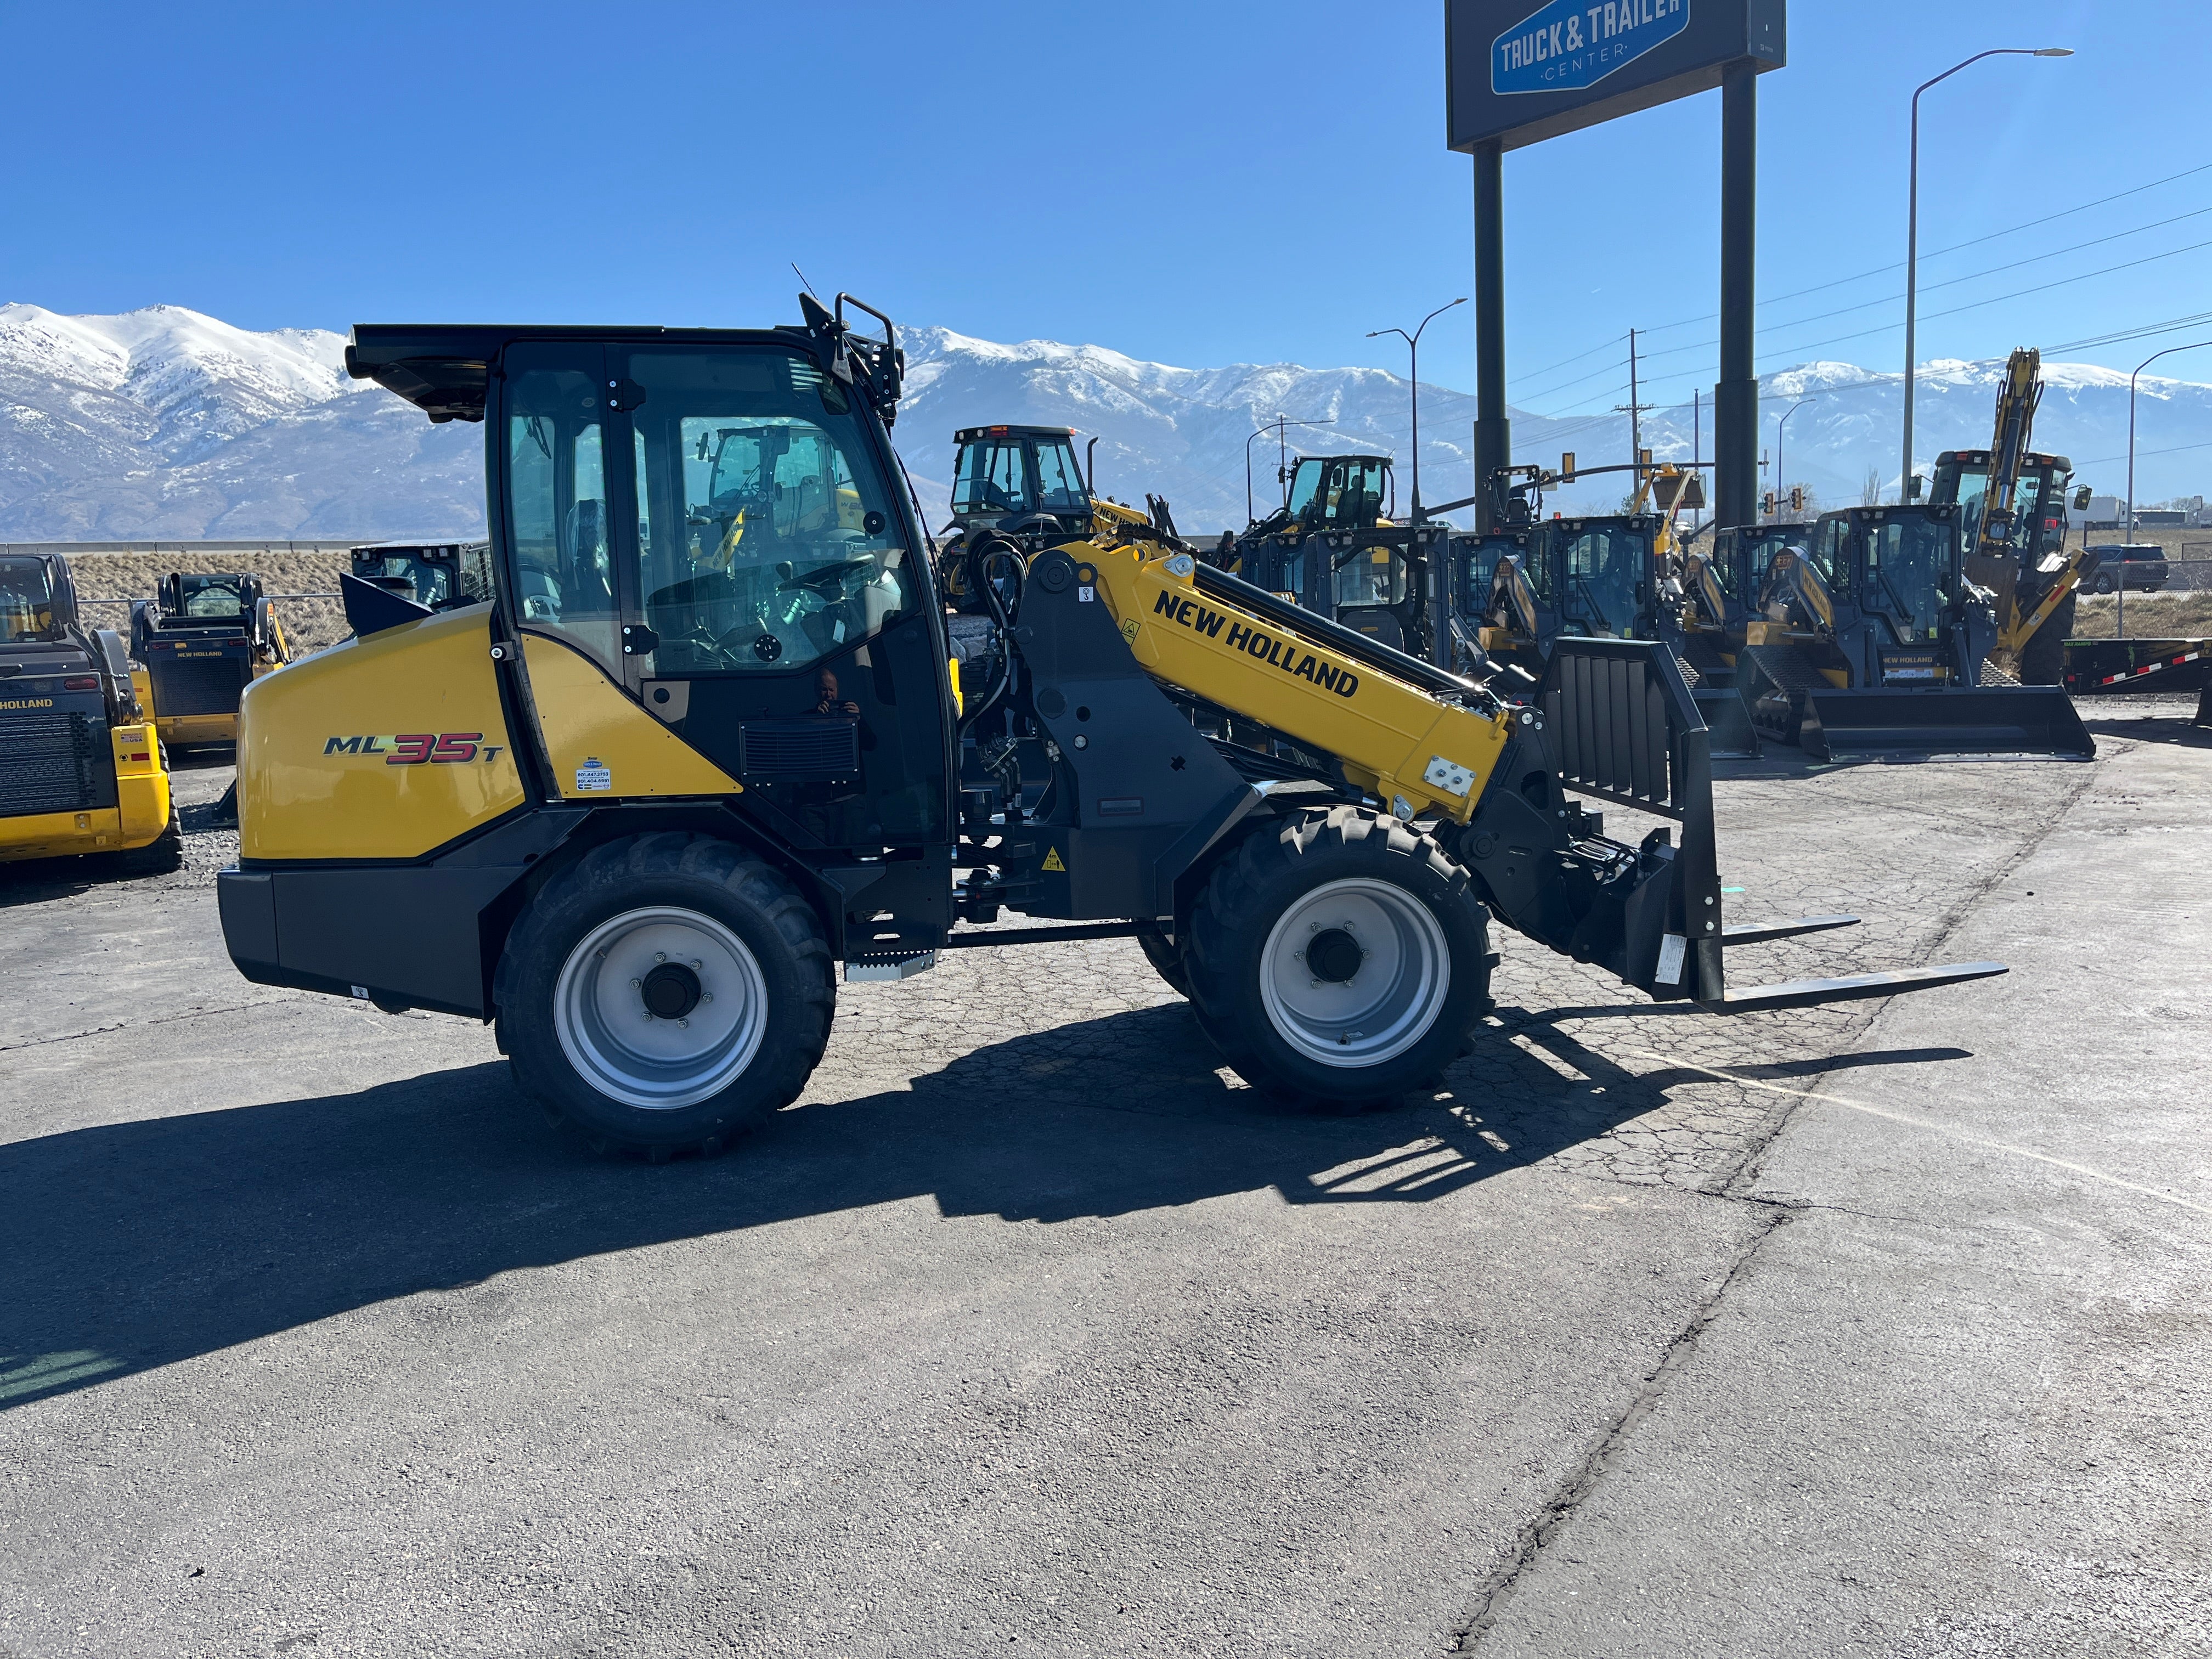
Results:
[1567, 467]
[1767, 506]
[1797, 498]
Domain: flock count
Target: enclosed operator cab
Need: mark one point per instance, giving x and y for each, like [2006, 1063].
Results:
[1588, 577]
[81, 767]
[1322, 494]
[204, 640]
[436, 575]
[1012, 486]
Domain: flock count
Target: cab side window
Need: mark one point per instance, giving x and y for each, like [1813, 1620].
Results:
[556, 506]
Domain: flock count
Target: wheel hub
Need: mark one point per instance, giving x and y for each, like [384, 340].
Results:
[670, 991]
[1332, 956]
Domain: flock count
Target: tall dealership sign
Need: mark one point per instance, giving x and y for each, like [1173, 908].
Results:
[1516, 76]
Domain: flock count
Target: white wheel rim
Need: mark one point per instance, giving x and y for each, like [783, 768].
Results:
[1388, 1004]
[627, 1054]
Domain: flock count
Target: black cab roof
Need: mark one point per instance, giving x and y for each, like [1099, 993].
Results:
[975, 435]
[444, 369]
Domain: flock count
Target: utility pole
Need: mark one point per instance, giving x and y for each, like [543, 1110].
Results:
[1635, 412]
[1697, 449]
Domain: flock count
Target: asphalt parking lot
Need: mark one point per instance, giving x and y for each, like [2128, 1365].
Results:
[1876, 1328]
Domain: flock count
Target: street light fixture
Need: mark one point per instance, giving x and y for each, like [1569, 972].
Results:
[1277, 426]
[1440, 595]
[1905, 479]
[2120, 604]
[1779, 483]
[1414, 350]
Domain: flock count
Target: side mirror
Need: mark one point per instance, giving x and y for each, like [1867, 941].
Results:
[2081, 499]
[1912, 488]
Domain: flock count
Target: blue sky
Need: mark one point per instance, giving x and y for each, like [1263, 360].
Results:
[1195, 183]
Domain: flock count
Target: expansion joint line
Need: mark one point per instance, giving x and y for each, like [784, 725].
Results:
[1586, 1477]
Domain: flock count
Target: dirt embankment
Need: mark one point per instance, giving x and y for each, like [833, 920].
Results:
[106, 582]
[2185, 616]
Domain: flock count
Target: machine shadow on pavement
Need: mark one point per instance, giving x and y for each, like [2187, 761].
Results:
[130, 1246]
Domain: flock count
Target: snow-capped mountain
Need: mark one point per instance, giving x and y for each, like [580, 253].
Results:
[164, 423]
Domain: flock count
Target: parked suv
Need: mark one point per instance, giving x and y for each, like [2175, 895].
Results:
[2137, 566]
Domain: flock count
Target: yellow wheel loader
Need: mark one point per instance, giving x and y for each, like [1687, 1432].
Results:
[204, 640]
[82, 769]
[638, 808]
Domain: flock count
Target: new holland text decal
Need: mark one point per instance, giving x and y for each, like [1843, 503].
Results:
[1282, 654]
[1570, 43]
[417, 748]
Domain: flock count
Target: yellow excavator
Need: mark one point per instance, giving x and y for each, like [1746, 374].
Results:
[636, 808]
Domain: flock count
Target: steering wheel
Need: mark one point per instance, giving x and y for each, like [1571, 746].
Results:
[829, 582]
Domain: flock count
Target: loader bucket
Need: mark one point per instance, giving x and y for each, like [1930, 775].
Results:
[1728, 722]
[1988, 719]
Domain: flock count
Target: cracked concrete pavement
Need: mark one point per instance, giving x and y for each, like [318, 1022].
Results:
[1864, 1328]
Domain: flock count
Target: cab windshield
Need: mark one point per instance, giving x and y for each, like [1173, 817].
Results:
[993, 477]
[1338, 492]
[1969, 486]
[1371, 576]
[423, 580]
[1603, 567]
[26, 601]
[1908, 562]
[211, 598]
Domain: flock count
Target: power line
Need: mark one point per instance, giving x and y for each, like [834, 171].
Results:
[2011, 230]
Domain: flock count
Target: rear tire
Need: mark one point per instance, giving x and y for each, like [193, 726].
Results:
[1339, 960]
[2105, 584]
[162, 856]
[2043, 658]
[669, 992]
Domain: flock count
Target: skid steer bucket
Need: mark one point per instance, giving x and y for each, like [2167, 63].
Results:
[1624, 728]
[1728, 722]
[1988, 719]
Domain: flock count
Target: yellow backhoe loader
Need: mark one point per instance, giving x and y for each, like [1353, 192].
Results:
[636, 808]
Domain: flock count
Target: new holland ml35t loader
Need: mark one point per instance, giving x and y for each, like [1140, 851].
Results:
[637, 807]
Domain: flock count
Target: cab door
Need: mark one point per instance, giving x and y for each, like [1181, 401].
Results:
[721, 594]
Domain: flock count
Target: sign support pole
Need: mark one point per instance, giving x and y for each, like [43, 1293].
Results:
[1493, 431]
[1735, 399]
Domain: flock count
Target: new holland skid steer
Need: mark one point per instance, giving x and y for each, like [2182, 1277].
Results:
[81, 770]
[1334, 548]
[204, 640]
[1869, 640]
[636, 808]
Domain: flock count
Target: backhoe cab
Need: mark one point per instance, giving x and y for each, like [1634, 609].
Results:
[81, 767]
[204, 639]
[1017, 488]
[636, 807]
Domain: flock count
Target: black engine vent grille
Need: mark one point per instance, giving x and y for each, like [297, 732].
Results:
[51, 761]
[200, 685]
[824, 748]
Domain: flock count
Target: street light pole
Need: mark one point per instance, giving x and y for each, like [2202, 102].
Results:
[1912, 232]
[1780, 482]
[1440, 616]
[2120, 604]
[1413, 349]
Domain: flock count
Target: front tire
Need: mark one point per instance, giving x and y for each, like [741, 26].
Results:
[1340, 960]
[669, 993]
